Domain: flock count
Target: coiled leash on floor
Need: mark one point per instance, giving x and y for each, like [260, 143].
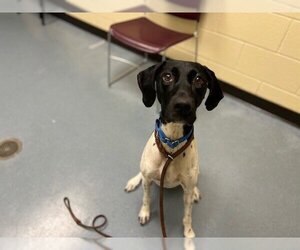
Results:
[170, 158]
[93, 227]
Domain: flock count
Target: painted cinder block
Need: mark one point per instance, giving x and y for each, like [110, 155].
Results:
[280, 97]
[210, 21]
[293, 15]
[235, 78]
[291, 44]
[292, 3]
[178, 53]
[219, 48]
[262, 29]
[267, 66]
[93, 19]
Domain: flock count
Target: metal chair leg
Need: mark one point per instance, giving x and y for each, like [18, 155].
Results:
[163, 58]
[145, 57]
[42, 14]
[135, 66]
[42, 17]
[109, 58]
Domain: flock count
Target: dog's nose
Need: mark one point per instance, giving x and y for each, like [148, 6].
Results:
[183, 107]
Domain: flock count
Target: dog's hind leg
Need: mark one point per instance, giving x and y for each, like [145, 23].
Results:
[133, 183]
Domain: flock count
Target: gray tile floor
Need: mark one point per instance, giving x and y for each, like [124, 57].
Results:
[84, 140]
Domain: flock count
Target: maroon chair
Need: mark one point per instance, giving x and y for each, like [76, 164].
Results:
[148, 37]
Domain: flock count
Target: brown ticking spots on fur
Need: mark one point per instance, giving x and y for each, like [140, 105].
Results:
[191, 146]
[153, 144]
[183, 154]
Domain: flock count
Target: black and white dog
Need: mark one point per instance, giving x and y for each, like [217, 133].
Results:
[180, 88]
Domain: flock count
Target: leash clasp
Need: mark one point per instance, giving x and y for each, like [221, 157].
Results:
[170, 157]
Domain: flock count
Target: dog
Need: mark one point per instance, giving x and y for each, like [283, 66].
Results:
[180, 87]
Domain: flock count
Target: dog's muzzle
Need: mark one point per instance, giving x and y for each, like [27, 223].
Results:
[184, 112]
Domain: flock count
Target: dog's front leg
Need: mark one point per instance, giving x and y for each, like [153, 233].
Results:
[187, 217]
[144, 215]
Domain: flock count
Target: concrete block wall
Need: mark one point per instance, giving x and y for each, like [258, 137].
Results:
[256, 52]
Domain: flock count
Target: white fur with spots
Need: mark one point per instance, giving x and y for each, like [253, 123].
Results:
[183, 170]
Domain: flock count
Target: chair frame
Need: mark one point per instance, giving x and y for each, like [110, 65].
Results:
[135, 66]
[120, 59]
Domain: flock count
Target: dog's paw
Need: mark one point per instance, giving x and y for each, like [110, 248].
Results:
[133, 183]
[130, 187]
[196, 194]
[189, 244]
[144, 215]
[189, 232]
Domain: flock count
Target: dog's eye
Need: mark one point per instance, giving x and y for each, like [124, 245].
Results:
[198, 82]
[167, 78]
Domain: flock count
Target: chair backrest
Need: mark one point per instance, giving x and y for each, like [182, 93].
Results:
[188, 15]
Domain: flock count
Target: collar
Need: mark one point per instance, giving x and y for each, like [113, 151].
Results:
[171, 143]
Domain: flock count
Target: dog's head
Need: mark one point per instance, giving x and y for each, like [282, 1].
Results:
[180, 88]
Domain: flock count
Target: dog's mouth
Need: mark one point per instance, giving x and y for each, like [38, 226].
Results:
[187, 119]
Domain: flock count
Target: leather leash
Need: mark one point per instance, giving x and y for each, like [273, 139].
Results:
[170, 158]
[93, 227]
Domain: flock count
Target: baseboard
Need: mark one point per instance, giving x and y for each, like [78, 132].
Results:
[284, 113]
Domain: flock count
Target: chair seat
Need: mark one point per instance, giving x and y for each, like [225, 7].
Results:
[144, 35]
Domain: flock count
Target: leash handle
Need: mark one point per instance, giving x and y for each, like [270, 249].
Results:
[96, 228]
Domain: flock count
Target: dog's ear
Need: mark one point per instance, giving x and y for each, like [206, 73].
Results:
[215, 91]
[146, 81]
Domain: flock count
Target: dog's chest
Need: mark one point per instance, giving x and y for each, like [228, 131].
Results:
[177, 170]
[181, 169]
